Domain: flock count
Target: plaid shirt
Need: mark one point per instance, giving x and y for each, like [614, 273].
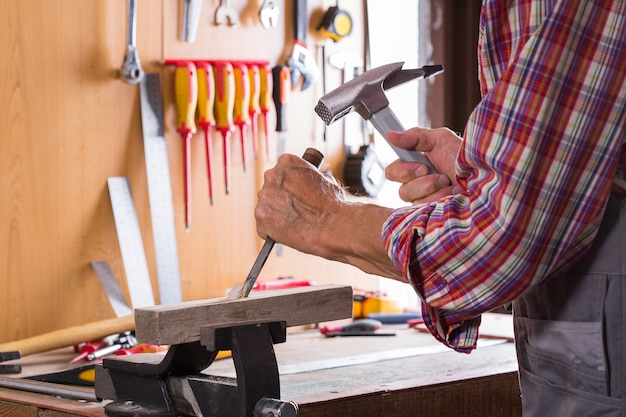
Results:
[537, 163]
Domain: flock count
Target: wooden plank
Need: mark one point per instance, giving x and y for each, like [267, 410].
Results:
[181, 322]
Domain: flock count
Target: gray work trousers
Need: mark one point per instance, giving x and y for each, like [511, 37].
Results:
[570, 334]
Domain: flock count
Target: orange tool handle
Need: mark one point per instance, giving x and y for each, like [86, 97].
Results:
[186, 89]
[206, 94]
[242, 94]
[281, 91]
[224, 96]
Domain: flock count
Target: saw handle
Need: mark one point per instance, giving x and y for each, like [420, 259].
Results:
[385, 120]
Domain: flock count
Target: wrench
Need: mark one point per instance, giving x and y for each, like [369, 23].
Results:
[302, 62]
[131, 68]
[226, 11]
[269, 14]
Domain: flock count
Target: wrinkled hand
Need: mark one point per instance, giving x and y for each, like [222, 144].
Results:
[304, 209]
[441, 147]
[295, 201]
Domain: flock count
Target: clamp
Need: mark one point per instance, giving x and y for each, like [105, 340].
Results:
[180, 383]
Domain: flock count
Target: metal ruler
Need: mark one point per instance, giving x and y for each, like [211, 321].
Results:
[131, 245]
[159, 190]
[111, 288]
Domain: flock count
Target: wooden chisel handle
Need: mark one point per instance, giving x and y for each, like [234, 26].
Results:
[70, 336]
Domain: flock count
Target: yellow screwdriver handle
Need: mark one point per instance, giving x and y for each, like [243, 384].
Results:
[255, 91]
[265, 91]
[186, 88]
[242, 94]
[206, 94]
[224, 96]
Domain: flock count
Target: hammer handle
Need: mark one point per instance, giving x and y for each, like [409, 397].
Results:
[385, 120]
[70, 336]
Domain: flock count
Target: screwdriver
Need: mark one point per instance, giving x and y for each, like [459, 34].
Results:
[254, 107]
[186, 91]
[280, 94]
[242, 102]
[206, 119]
[224, 104]
[265, 98]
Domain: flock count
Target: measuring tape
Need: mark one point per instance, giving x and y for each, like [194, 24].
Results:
[159, 190]
[131, 245]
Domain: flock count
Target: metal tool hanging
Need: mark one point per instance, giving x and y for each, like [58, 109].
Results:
[131, 68]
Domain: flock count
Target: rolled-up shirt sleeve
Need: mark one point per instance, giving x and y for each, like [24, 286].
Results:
[536, 164]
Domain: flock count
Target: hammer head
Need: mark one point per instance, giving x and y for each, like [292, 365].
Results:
[365, 94]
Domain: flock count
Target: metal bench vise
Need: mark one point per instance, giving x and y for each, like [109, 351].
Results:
[179, 383]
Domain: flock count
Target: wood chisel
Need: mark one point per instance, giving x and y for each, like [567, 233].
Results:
[131, 244]
[186, 92]
[314, 157]
[159, 190]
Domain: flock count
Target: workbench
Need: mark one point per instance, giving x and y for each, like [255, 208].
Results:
[408, 374]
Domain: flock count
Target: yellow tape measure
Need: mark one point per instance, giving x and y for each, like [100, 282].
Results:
[336, 24]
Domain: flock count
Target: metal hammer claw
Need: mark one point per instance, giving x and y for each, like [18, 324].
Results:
[365, 94]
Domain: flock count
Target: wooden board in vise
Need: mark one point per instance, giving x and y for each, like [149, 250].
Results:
[182, 322]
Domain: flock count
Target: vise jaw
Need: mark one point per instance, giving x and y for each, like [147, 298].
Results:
[179, 383]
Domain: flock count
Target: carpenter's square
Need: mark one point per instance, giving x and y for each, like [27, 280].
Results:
[314, 157]
[159, 190]
[111, 288]
[131, 244]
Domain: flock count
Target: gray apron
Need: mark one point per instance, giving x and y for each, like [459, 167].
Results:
[570, 333]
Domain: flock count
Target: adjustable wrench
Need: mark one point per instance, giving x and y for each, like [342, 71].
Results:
[302, 62]
[226, 11]
[131, 68]
[269, 14]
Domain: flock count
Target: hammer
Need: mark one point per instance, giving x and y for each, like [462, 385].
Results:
[61, 338]
[365, 95]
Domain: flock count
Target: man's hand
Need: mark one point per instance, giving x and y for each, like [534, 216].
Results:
[304, 209]
[441, 147]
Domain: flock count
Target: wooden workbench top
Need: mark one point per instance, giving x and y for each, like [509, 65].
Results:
[406, 374]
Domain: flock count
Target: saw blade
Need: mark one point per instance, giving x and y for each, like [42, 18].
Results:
[159, 190]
